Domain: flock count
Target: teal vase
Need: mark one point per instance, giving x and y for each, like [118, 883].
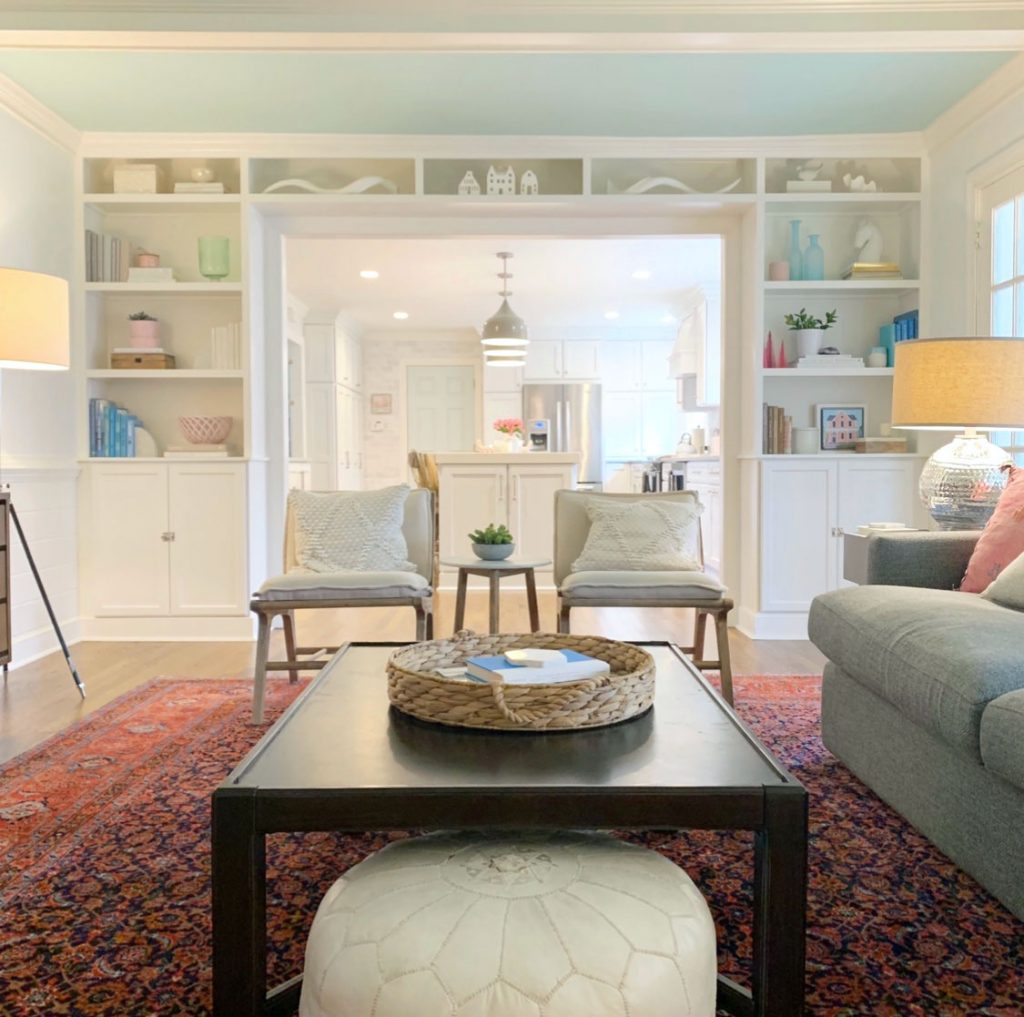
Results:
[814, 260]
[796, 259]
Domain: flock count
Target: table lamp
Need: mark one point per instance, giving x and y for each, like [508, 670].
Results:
[961, 384]
[35, 336]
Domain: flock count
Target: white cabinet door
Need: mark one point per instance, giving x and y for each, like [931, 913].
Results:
[320, 434]
[872, 490]
[622, 420]
[471, 497]
[129, 558]
[531, 508]
[207, 552]
[621, 366]
[657, 375]
[710, 522]
[661, 423]
[355, 364]
[319, 341]
[581, 360]
[502, 379]
[357, 410]
[543, 361]
[499, 405]
[797, 546]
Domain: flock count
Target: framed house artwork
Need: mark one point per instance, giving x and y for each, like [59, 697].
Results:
[380, 404]
[840, 426]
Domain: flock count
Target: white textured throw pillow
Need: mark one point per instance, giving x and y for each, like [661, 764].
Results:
[1007, 589]
[361, 531]
[649, 536]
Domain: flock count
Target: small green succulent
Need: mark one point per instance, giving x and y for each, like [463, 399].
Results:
[802, 320]
[492, 535]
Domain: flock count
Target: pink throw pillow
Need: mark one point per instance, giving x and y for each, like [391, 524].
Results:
[1002, 540]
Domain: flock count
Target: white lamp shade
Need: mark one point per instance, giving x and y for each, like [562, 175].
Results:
[952, 384]
[504, 326]
[34, 329]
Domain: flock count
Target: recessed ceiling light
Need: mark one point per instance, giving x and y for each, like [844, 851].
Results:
[611, 315]
[642, 273]
[668, 319]
[369, 273]
[400, 315]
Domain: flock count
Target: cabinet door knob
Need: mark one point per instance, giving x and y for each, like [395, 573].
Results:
[167, 536]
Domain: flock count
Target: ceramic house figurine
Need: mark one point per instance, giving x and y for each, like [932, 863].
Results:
[501, 182]
[468, 184]
[528, 183]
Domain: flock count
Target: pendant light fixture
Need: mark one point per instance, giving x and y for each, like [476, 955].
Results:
[503, 336]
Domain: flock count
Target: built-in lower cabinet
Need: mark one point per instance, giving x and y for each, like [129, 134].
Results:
[806, 505]
[166, 539]
[705, 480]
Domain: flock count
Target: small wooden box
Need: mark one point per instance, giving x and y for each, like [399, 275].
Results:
[879, 445]
[142, 361]
[137, 178]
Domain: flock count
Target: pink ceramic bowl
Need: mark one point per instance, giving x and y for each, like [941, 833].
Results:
[205, 430]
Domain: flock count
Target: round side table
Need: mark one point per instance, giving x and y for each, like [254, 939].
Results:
[493, 572]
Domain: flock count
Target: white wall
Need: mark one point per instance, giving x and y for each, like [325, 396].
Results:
[37, 432]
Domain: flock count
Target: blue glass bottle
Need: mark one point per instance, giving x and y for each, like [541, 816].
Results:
[796, 259]
[814, 260]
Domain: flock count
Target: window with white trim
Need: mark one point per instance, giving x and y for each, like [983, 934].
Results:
[1000, 310]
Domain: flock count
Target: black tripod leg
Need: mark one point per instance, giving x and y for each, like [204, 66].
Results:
[46, 601]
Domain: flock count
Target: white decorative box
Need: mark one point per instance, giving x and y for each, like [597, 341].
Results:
[136, 178]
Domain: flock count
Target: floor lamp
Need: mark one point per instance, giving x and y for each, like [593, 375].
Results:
[34, 336]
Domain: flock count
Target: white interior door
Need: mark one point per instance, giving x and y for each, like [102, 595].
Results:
[441, 407]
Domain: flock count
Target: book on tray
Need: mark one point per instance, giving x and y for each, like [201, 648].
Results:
[574, 667]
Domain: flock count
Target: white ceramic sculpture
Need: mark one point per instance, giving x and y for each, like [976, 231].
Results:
[867, 242]
[545, 925]
[360, 186]
[501, 182]
[859, 184]
[528, 183]
[468, 184]
[648, 184]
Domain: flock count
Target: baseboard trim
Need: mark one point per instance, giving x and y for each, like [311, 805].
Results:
[201, 630]
[41, 642]
[772, 625]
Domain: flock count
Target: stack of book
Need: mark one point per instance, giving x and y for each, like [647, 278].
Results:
[151, 275]
[838, 360]
[777, 431]
[226, 347]
[905, 325]
[809, 186]
[196, 452]
[190, 187]
[111, 430]
[107, 257]
[572, 667]
[873, 270]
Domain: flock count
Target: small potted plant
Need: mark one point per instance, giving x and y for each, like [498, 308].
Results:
[143, 331]
[492, 544]
[809, 330]
[512, 429]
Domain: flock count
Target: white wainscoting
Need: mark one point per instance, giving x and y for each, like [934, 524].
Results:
[45, 497]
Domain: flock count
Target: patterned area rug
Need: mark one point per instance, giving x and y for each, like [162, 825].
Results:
[104, 890]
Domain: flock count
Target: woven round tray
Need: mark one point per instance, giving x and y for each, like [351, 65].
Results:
[415, 688]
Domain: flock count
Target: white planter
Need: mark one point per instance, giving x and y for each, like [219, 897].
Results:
[808, 341]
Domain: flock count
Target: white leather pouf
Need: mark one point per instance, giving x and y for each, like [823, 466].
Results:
[539, 925]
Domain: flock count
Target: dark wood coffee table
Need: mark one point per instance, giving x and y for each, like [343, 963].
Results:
[341, 759]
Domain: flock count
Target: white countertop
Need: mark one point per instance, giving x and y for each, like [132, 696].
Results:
[695, 457]
[521, 458]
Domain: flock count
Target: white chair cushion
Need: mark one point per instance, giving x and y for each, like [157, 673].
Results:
[344, 530]
[558, 925]
[687, 585]
[304, 584]
[646, 536]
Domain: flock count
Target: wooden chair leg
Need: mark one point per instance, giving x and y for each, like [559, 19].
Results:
[700, 626]
[563, 618]
[288, 621]
[725, 666]
[259, 676]
[421, 622]
[429, 609]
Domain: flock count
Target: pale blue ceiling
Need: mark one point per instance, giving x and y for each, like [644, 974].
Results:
[583, 94]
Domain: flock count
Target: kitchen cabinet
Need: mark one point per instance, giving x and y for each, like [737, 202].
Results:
[167, 539]
[807, 504]
[557, 360]
[655, 372]
[705, 480]
[502, 379]
[660, 423]
[627, 365]
[622, 424]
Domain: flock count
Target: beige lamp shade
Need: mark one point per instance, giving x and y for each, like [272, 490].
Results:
[952, 384]
[34, 330]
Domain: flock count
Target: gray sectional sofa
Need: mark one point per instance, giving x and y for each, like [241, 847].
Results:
[923, 699]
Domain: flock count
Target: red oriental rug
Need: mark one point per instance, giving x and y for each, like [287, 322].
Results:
[104, 890]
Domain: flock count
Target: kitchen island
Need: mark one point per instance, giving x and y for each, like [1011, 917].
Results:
[514, 488]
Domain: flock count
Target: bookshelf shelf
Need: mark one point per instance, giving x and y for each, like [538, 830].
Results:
[160, 204]
[215, 289]
[842, 202]
[839, 286]
[174, 374]
[161, 459]
[826, 372]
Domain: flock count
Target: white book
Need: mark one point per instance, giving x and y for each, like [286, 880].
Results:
[137, 274]
[808, 186]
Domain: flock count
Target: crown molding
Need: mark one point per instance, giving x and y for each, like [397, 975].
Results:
[999, 87]
[910, 41]
[31, 112]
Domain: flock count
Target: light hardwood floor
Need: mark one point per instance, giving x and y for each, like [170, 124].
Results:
[39, 699]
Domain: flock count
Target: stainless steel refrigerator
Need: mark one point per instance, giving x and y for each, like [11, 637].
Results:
[574, 411]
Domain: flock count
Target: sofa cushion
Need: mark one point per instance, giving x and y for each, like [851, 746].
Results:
[1002, 540]
[1002, 737]
[938, 656]
[305, 584]
[1007, 589]
[641, 586]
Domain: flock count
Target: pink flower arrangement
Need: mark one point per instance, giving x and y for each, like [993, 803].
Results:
[508, 425]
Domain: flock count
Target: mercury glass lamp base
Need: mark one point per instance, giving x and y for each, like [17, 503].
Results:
[961, 483]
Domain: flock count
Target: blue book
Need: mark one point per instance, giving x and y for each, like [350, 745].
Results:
[110, 430]
[577, 666]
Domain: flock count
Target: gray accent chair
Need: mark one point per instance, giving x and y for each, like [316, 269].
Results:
[300, 589]
[923, 699]
[627, 588]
